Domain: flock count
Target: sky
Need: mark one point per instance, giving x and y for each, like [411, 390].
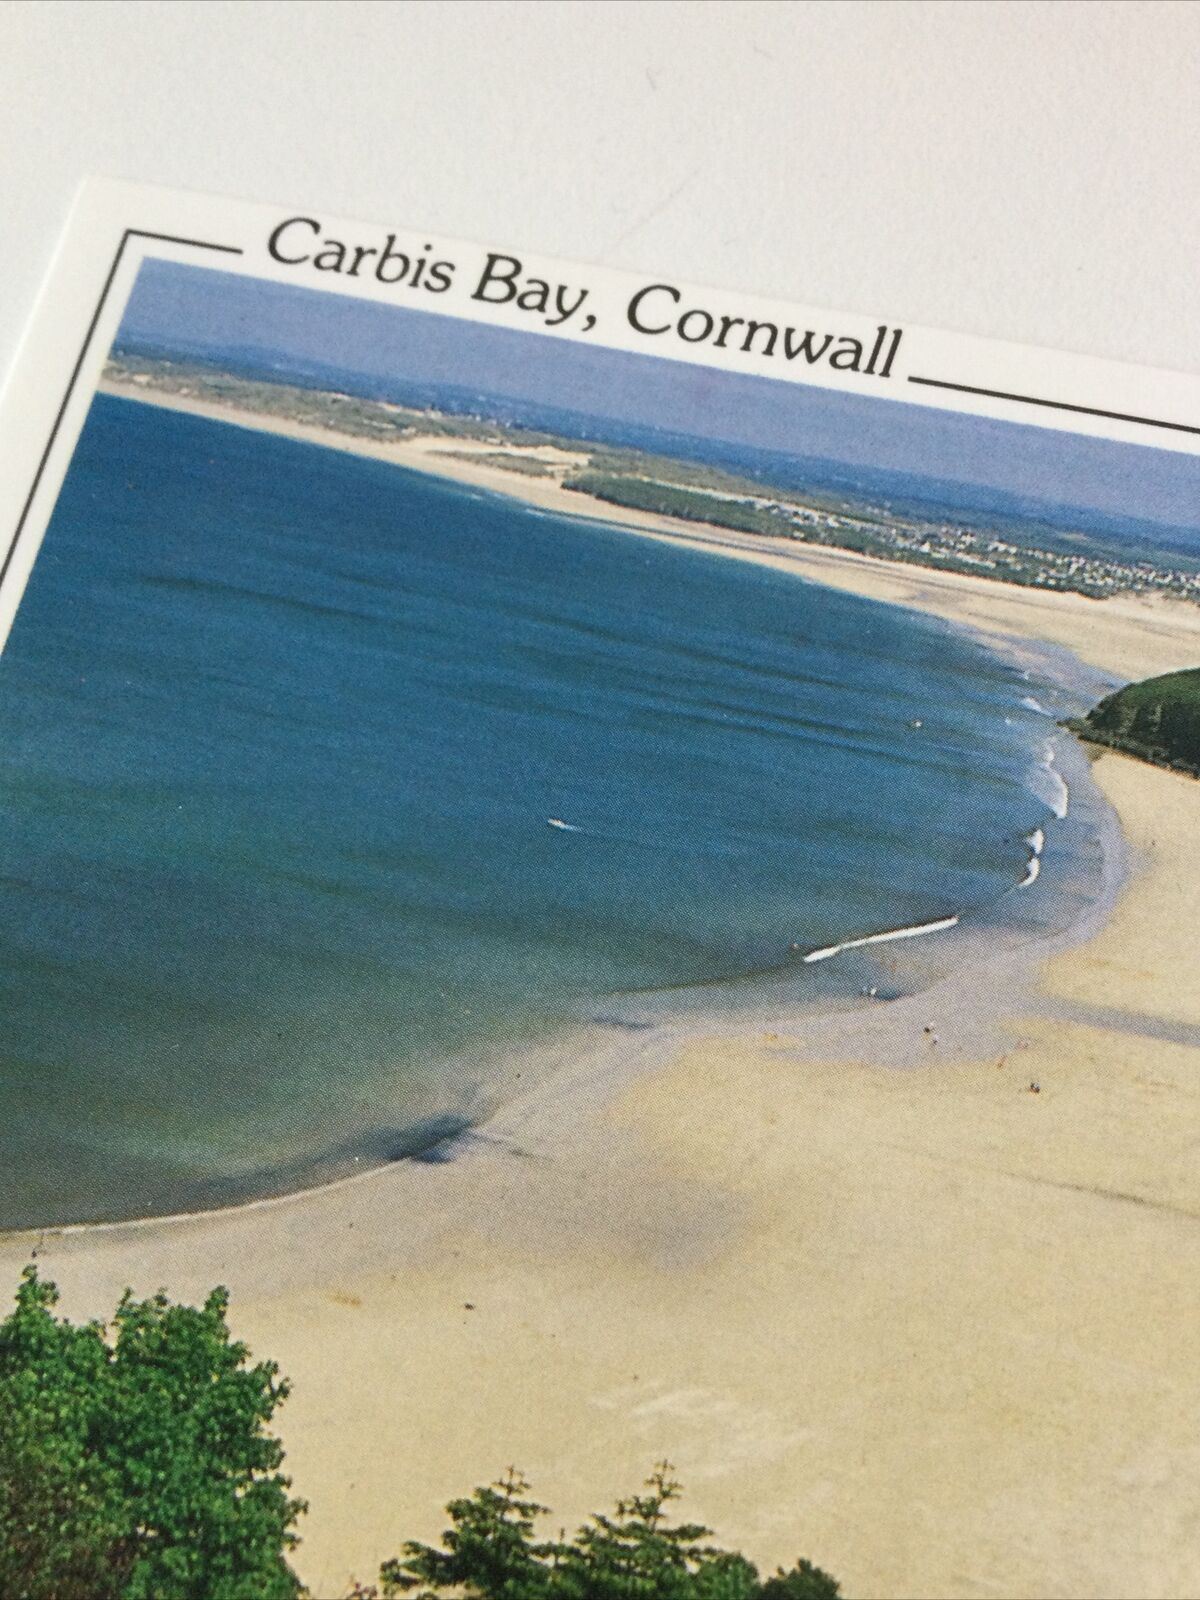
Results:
[202, 311]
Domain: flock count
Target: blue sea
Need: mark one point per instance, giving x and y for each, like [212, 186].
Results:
[332, 792]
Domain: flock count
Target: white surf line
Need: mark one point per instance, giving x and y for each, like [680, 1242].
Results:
[1032, 704]
[1037, 844]
[1047, 782]
[1061, 797]
[882, 938]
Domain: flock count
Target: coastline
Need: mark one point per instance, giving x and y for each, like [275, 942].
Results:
[886, 1317]
[742, 996]
[1127, 636]
[611, 1051]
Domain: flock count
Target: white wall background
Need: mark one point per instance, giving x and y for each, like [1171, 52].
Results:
[1027, 170]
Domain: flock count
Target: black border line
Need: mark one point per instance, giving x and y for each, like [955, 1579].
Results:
[130, 233]
[1056, 405]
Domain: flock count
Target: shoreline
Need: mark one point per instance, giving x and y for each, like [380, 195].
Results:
[662, 1034]
[614, 1235]
[613, 1047]
[1126, 636]
[616, 1050]
[881, 1302]
[617, 1056]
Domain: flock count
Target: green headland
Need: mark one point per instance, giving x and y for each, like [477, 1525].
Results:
[1157, 719]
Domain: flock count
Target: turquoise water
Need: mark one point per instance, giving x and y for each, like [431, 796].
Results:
[283, 731]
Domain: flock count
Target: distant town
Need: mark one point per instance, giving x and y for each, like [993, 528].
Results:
[661, 485]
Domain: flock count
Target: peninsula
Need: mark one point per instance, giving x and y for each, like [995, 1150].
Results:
[634, 480]
[1158, 720]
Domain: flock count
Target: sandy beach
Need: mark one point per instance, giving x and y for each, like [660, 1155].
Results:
[880, 1303]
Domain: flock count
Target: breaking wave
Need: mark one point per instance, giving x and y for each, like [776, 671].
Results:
[882, 938]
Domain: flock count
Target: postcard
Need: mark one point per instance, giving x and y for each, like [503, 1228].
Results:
[598, 888]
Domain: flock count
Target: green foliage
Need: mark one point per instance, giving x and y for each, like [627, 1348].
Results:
[803, 1582]
[489, 1549]
[135, 1464]
[138, 1467]
[490, 1553]
[1157, 719]
[640, 1552]
[668, 500]
[526, 466]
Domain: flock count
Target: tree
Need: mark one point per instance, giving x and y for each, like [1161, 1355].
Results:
[137, 1466]
[803, 1582]
[490, 1553]
[640, 1552]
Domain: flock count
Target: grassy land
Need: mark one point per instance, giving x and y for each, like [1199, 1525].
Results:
[669, 500]
[1157, 720]
[528, 466]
